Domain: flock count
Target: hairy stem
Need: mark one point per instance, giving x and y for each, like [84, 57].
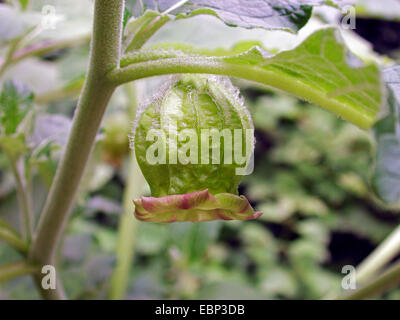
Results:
[217, 65]
[15, 270]
[389, 279]
[128, 224]
[104, 56]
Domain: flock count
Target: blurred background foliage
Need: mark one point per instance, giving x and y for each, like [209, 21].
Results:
[311, 179]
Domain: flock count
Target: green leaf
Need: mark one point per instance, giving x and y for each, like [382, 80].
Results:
[277, 14]
[386, 175]
[193, 238]
[320, 70]
[24, 4]
[139, 30]
[323, 64]
[15, 101]
[13, 23]
[375, 9]
[13, 145]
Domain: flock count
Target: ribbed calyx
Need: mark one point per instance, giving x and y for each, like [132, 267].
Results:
[193, 144]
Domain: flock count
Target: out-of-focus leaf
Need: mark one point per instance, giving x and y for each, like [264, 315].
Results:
[353, 183]
[386, 176]
[13, 145]
[311, 206]
[317, 282]
[103, 204]
[278, 211]
[359, 222]
[6, 184]
[268, 111]
[277, 14]
[260, 244]
[229, 291]
[12, 23]
[96, 176]
[50, 134]
[279, 282]
[76, 247]
[99, 270]
[304, 253]
[41, 76]
[313, 230]
[51, 127]
[151, 238]
[387, 9]
[42, 157]
[192, 239]
[24, 4]
[15, 102]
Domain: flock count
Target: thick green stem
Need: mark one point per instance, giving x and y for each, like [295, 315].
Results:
[128, 224]
[11, 237]
[15, 270]
[104, 56]
[217, 65]
[389, 279]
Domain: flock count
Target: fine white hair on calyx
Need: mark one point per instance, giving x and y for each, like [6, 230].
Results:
[155, 98]
[233, 95]
[237, 99]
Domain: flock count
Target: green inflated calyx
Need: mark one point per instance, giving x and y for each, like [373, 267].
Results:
[193, 144]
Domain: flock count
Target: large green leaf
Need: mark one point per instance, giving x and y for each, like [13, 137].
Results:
[322, 63]
[289, 15]
[320, 70]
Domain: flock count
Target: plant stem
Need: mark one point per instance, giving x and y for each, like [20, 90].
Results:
[60, 93]
[38, 49]
[389, 279]
[128, 224]
[23, 200]
[42, 48]
[18, 269]
[13, 47]
[217, 65]
[10, 236]
[382, 255]
[104, 56]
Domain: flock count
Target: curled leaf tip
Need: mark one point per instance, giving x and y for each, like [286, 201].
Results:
[195, 207]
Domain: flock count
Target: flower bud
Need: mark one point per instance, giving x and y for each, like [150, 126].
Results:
[193, 143]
